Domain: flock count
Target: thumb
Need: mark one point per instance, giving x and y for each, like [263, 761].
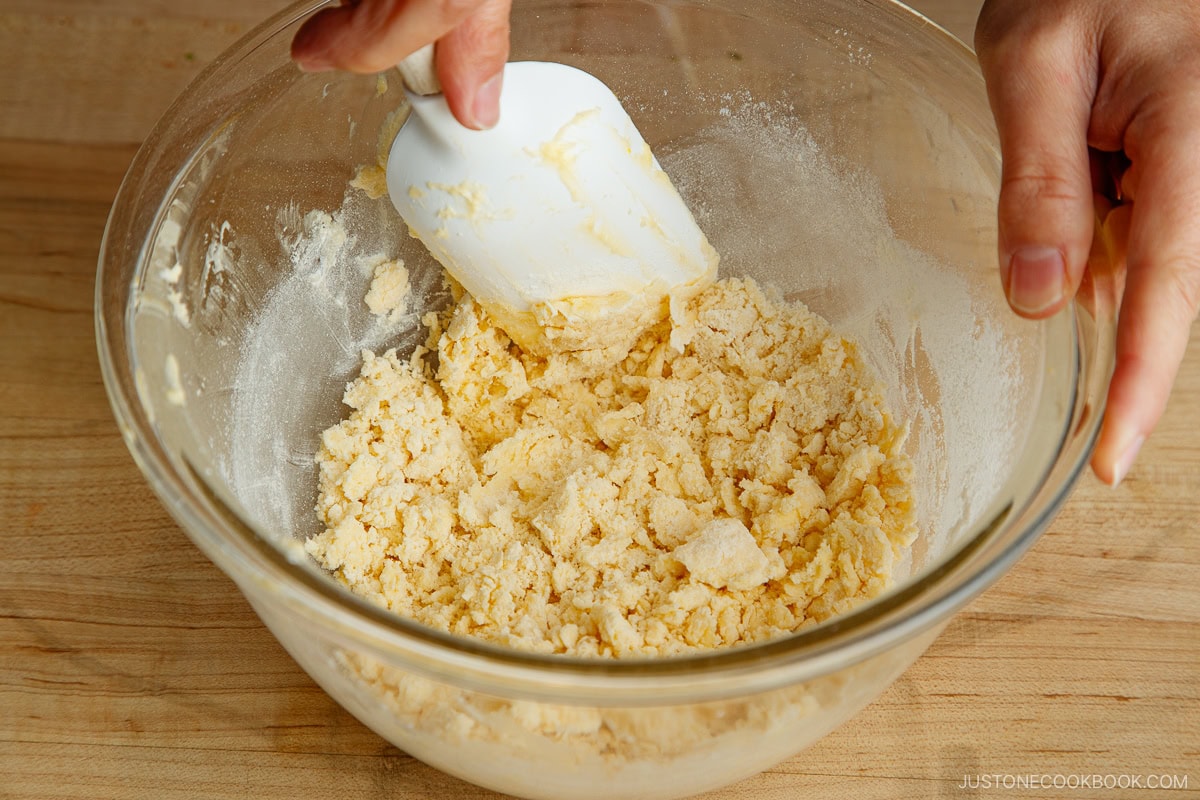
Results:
[469, 63]
[1041, 97]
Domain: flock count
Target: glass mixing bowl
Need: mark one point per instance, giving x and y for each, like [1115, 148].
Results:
[841, 150]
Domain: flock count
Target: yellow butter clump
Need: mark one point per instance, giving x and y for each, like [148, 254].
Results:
[735, 478]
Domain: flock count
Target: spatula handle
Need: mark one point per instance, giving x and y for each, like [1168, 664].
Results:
[418, 72]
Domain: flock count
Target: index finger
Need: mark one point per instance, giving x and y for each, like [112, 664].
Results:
[1162, 290]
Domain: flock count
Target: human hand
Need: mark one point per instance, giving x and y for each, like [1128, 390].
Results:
[368, 36]
[1071, 82]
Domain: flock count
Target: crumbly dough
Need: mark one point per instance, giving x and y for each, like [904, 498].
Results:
[388, 294]
[734, 478]
[371, 179]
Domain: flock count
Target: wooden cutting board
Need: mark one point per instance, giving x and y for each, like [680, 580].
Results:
[131, 667]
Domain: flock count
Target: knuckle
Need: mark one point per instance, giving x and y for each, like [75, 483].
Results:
[483, 38]
[1025, 187]
[486, 43]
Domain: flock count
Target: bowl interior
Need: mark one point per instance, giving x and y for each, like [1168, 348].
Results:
[840, 151]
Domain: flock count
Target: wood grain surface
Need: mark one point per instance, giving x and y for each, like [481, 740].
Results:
[131, 667]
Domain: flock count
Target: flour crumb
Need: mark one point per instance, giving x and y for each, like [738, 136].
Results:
[724, 555]
[172, 277]
[388, 294]
[175, 395]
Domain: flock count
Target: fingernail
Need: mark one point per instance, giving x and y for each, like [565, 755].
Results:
[1036, 279]
[316, 63]
[308, 50]
[485, 108]
[1125, 462]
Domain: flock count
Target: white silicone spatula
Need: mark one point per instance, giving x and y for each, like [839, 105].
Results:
[559, 220]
